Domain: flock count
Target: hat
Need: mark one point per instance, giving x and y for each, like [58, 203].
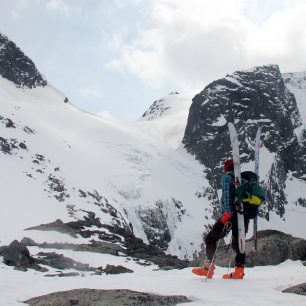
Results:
[228, 165]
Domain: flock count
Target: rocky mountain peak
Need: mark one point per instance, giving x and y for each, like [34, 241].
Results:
[16, 67]
[160, 107]
[250, 99]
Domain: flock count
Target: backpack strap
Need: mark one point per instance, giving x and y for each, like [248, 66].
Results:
[230, 173]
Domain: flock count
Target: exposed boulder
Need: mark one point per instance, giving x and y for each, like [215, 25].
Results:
[273, 248]
[111, 269]
[18, 255]
[90, 297]
[59, 261]
[298, 289]
[28, 241]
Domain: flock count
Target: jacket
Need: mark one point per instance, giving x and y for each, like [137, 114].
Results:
[228, 193]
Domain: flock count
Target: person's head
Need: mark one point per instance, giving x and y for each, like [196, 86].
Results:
[228, 165]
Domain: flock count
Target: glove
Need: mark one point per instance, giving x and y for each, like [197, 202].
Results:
[227, 216]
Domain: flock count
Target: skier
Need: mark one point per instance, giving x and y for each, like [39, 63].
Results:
[227, 221]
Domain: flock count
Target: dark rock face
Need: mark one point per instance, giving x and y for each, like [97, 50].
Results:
[89, 297]
[138, 249]
[73, 228]
[118, 241]
[17, 254]
[273, 248]
[111, 269]
[249, 99]
[94, 246]
[15, 66]
[59, 261]
[156, 221]
[157, 109]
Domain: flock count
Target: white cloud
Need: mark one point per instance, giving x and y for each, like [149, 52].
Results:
[189, 42]
[282, 39]
[19, 7]
[61, 6]
[17, 10]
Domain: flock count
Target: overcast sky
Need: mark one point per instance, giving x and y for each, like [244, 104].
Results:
[118, 56]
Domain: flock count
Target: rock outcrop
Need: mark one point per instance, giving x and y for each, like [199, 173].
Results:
[298, 289]
[273, 248]
[90, 297]
[18, 255]
[15, 66]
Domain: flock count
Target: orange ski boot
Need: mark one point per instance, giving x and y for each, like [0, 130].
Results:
[237, 274]
[207, 270]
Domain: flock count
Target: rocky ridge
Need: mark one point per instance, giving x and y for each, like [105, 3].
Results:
[17, 67]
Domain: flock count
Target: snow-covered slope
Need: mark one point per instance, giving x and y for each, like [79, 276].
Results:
[261, 286]
[167, 118]
[296, 83]
[138, 168]
[58, 162]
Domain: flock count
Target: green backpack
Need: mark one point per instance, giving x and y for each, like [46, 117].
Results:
[250, 193]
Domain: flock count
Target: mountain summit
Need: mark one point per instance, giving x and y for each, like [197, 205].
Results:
[17, 67]
[164, 106]
[250, 99]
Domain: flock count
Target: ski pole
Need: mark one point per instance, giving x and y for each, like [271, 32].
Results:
[230, 244]
[213, 259]
[230, 259]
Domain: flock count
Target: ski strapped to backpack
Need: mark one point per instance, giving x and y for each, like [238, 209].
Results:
[237, 171]
[256, 170]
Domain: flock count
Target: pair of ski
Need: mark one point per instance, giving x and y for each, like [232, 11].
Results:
[237, 171]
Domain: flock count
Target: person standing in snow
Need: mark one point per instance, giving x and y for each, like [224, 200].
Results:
[219, 230]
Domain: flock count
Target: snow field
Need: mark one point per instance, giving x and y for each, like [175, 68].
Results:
[261, 286]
